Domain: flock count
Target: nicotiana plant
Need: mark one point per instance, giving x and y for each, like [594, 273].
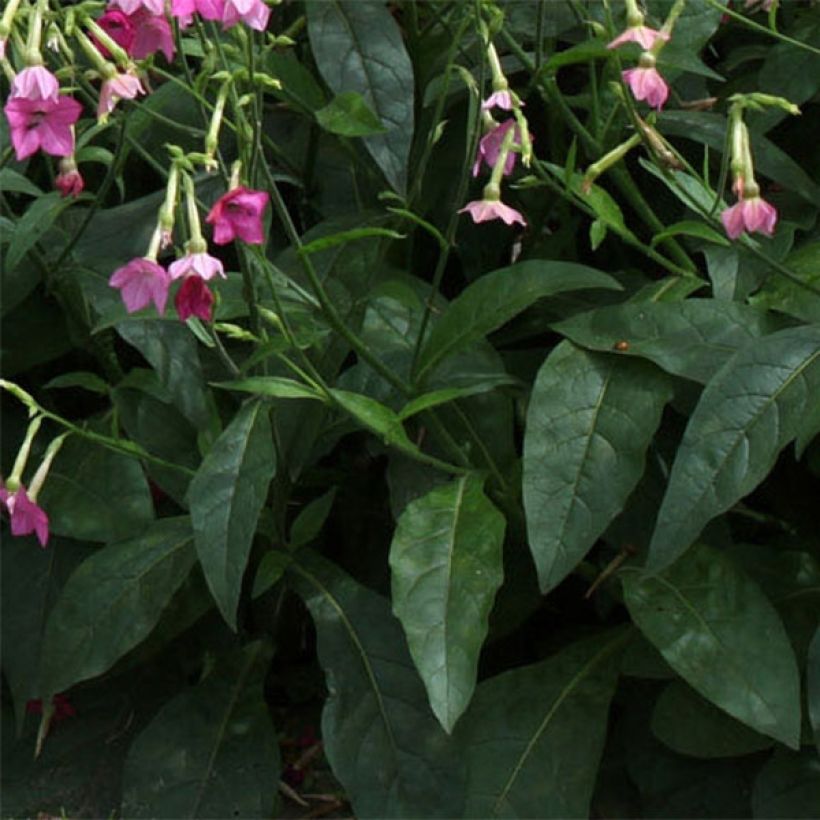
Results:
[410, 409]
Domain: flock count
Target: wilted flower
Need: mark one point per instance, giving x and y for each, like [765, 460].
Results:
[238, 213]
[42, 124]
[142, 281]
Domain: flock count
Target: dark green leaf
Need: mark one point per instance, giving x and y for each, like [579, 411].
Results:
[210, 752]
[779, 293]
[692, 338]
[752, 408]
[448, 394]
[311, 519]
[348, 115]
[38, 218]
[88, 381]
[13, 182]
[719, 632]
[589, 422]
[691, 725]
[226, 496]
[112, 601]
[813, 686]
[688, 227]
[381, 739]
[358, 47]
[788, 786]
[497, 297]
[94, 494]
[533, 736]
[271, 568]
[446, 567]
[277, 387]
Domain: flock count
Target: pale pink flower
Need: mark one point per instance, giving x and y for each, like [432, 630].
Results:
[70, 182]
[207, 9]
[132, 6]
[140, 282]
[198, 264]
[489, 148]
[3, 41]
[238, 213]
[482, 210]
[35, 83]
[644, 35]
[26, 516]
[253, 13]
[752, 214]
[194, 298]
[42, 124]
[499, 99]
[647, 84]
[119, 87]
[152, 33]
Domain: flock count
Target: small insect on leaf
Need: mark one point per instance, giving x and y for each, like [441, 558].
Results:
[621, 345]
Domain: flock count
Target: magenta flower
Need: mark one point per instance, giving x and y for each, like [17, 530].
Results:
[132, 6]
[194, 298]
[119, 87]
[118, 26]
[152, 33]
[26, 516]
[207, 9]
[70, 182]
[42, 124]
[752, 214]
[142, 281]
[482, 210]
[490, 146]
[238, 213]
[197, 264]
[35, 83]
[644, 35]
[647, 84]
[253, 13]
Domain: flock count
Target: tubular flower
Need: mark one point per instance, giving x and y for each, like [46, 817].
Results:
[238, 213]
[26, 516]
[645, 36]
[750, 214]
[253, 13]
[482, 210]
[489, 147]
[118, 26]
[197, 264]
[35, 83]
[152, 33]
[647, 84]
[119, 87]
[194, 298]
[42, 124]
[140, 282]
[69, 181]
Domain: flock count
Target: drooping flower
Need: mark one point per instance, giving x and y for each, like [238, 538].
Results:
[499, 99]
[483, 210]
[184, 10]
[35, 83]
[194, 298]
[489, 148]
[198, 264]
[118, 26]
[253, 13]
[152, 33]
[26, 516]
[647, 84]
[750, 214]
[42, 124]
[132, 6]
[69, 181]
[140, 282]
[645, 36]
[116, 88]
[238, 213]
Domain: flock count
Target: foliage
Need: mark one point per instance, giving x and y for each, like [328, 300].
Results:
[476, 474]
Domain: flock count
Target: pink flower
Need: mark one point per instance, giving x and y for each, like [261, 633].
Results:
[752, 214]
[152, 33]
[118, 26]
[647, 84]
[132, 6]
[194, 299]
[70, 182]
[238, 213]
[119, 87]
[490, 146]
[644, 35]
[197, 264]
[482, 210]
[208, 9]
[142, 281]
[26, 516]
[42, 124]
[498, 99]
[35, 83]
[253, 13]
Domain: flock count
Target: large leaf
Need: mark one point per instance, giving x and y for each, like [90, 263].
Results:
[112, 601]
[753, 407]
[226, 496]
[788, 786]
[692, 338]
[381, 739]
[786, 295]
[210, 752]
[589, 422]
[94, 494]
[691, 725]
[719, 632]
[358, 47]
[446, 564]
[533, 736]
[497, 297]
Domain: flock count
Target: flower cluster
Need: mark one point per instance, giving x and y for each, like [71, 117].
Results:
[254, 13]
